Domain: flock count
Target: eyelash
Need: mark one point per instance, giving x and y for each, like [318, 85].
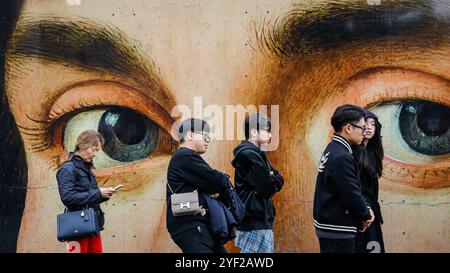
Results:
[38, 135]
[79, 105]
[383, 98]
[41, 135]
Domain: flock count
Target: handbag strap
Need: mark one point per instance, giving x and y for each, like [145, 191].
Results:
[170, 188]
[85, 207]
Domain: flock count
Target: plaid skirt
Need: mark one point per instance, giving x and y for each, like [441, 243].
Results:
[255, 241]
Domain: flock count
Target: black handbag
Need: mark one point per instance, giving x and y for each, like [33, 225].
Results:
[73, 225]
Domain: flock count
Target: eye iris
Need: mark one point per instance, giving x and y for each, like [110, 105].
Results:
[424, 126]
[129, 136]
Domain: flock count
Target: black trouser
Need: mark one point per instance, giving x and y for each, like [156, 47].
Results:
[197, 240]
[337, 245]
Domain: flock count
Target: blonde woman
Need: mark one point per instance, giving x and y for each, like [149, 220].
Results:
[78, 186]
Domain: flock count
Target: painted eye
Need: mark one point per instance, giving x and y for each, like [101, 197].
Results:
[415, 131]
[129, 136]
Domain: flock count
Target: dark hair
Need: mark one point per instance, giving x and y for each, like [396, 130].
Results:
[344, 114]
[13, 165]
[256, 121]
[370, 158]
[192, 125]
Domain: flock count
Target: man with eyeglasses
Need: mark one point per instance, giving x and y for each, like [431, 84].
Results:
[188, 172]
[340, 210]
[256, 182]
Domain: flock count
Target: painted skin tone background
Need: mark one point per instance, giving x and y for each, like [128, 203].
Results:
[230, 52]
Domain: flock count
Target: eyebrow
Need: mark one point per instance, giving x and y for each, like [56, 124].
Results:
[85, 44]
[333, 24]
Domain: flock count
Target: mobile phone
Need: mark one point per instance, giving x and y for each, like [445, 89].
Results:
[118, 187]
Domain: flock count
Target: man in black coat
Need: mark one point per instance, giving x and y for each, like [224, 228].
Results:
[188, 172]
[340, 210]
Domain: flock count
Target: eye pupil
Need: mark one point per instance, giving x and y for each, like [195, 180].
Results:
[434, 121]
[130, 128]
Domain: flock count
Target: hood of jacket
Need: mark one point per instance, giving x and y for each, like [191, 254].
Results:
[243, 146]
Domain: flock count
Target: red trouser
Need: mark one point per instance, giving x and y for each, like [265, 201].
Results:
[86, 245]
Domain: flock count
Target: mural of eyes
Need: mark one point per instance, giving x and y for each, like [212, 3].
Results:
[129, 135]
[415, 131]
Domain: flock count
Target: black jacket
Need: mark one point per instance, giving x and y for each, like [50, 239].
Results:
[369, 184]
[187, 172]
[78, 188]
[256, 181]
[222, 221]
[339, 205]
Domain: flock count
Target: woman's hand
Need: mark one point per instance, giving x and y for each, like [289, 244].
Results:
[107, 192]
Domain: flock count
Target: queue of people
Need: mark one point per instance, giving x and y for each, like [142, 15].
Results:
[205, 209]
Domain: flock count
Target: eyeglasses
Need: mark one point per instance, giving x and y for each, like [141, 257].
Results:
[265, 129]
[206, 136]
[363, 128]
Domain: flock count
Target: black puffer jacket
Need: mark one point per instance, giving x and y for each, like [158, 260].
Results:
[78, 188]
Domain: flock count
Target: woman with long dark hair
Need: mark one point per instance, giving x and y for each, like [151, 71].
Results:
[369, 157]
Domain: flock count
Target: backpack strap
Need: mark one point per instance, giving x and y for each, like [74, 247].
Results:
[257, 154]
